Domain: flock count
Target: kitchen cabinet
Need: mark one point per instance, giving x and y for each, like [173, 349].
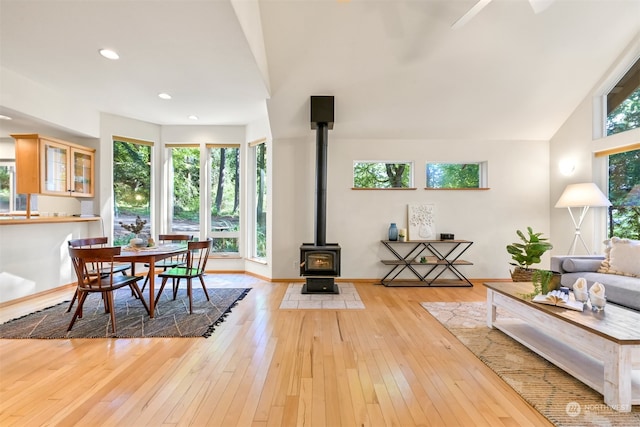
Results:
[53, 167]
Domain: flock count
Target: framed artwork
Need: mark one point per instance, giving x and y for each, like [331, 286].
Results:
[421, 222]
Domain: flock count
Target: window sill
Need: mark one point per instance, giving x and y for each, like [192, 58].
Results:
[257, 260]
[385, 189]
[457, 189]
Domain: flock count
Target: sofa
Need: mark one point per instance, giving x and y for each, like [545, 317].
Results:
[618, 270]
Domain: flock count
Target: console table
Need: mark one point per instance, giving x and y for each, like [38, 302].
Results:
[440, 256]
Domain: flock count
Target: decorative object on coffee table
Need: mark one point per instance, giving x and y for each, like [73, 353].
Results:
[526, 254]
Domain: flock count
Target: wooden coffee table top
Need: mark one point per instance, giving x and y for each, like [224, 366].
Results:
[614, 323]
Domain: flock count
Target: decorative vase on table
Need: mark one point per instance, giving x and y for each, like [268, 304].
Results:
[393, 232]
[139, 241]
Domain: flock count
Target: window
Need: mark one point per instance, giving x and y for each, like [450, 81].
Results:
[10, 201]
[624, 194]
[131, 186]
[623, 103]
[456, 175]
[367, 174]
[225, 197]
[258, 234]
[184, 186]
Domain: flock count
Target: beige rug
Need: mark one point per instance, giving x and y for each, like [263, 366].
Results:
[347, 299]
[562, 399]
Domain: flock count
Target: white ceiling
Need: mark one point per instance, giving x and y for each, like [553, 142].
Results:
[396, 68]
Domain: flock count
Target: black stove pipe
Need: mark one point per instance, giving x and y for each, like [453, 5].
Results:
[322, 135]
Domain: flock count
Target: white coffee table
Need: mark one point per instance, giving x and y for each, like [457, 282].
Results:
[600, 349]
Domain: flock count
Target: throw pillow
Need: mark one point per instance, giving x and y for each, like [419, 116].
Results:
[622, 256]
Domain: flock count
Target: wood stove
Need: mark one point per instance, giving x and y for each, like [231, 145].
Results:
[320, 261]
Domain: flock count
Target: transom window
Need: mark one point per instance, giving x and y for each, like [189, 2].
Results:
[456, 175]
[375, 174]
[623, 103]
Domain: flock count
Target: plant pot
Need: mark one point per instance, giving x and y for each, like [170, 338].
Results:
[520, 274]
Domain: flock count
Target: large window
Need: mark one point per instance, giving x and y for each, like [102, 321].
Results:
[624, 194]
[225, 197]
[368, 174]
[258, 235]
[184, 181]
[131, 186]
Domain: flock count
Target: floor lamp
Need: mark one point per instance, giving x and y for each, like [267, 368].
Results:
[583, 196]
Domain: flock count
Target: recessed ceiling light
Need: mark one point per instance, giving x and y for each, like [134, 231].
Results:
[109, 54]
[192, 117]
[164, 95]
[5, 117]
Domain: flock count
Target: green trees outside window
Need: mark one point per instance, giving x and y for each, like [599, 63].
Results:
[185, 181]
[624, 194]
[225, 198]
[131, 187]
[381, 175]
[625, 116]
[260, 230]
[453, 175]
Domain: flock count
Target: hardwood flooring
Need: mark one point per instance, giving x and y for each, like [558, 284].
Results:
[391, 364]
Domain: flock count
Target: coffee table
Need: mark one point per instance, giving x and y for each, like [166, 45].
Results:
[600, 349]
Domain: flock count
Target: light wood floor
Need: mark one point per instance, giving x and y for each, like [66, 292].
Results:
[389, 364]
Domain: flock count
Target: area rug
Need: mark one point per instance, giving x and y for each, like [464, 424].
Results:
[558, 396]
[172, 318]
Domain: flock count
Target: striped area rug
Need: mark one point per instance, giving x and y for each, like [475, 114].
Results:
[558, 396]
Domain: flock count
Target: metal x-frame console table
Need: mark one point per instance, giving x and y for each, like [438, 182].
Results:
[434, 257]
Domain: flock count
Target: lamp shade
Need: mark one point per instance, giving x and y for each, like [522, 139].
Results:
[585, 194]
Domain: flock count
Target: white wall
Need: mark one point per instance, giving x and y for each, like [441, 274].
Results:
[577, 140]
[358, 220]
[34, 257]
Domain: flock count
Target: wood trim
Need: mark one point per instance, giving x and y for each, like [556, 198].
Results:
[618, 150]
[257, 142]
[132, 140]
[47, 220]
[56, 140]
[223, 145]
[458, 189]
[37, 295]
[384, 189]
[189, 145]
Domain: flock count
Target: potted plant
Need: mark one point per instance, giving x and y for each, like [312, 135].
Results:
[527, 253]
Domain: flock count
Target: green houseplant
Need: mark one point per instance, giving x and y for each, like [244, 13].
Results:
[527, 253]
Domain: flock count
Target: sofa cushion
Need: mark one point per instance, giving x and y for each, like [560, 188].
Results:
[572, 265]
[622, 256]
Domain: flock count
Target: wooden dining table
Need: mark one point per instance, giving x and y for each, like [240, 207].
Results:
[150, 256]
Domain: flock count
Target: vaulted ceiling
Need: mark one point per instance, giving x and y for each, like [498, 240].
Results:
[396, 68]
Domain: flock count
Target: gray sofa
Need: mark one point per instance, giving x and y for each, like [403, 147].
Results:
[621, 290]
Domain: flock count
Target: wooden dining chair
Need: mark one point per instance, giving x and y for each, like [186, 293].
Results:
[94, 242]
[174, 261]
[197, 256]
[88, 261]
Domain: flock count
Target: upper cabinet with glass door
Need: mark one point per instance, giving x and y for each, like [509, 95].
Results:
[50, 166]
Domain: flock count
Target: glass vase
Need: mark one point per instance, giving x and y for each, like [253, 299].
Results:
[393, 232]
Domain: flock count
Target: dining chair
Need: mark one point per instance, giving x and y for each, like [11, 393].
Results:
[197, 256]
[174, 261]
[88, 261]
[93, 242]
